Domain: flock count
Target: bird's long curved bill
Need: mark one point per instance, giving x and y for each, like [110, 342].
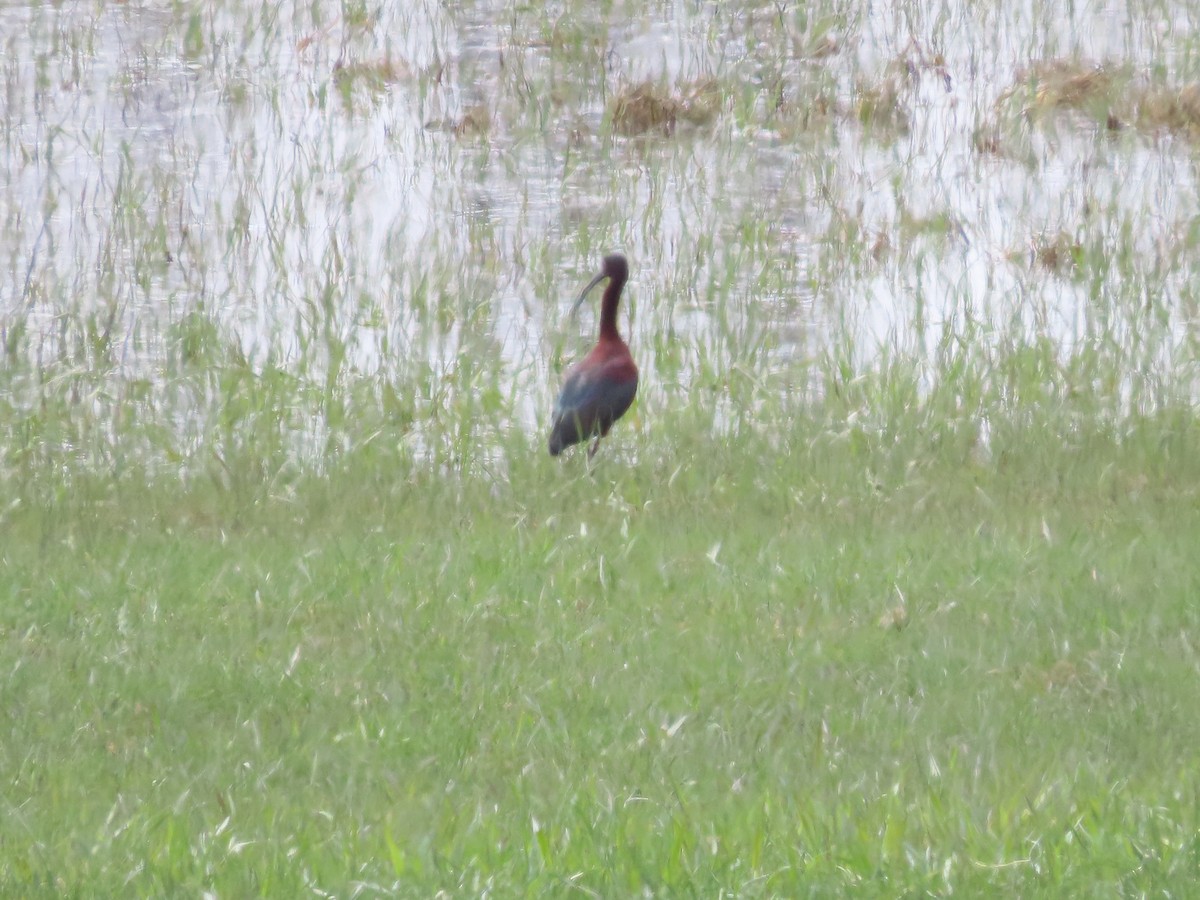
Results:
[591, 284]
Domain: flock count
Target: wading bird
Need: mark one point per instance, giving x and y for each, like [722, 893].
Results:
[598, 389]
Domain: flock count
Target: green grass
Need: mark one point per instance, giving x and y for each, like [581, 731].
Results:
[672, 675]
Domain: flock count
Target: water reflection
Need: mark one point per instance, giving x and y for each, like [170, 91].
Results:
[294, 177]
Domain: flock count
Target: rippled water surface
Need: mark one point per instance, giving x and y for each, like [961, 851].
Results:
[411, 195]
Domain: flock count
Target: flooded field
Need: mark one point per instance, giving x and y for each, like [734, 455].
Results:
[234, 222]
[885, 585]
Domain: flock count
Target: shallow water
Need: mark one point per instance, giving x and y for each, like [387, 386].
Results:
[404, 194]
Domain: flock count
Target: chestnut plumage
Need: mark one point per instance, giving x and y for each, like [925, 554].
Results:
[600, 388]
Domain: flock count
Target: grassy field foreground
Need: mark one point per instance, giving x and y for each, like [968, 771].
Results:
[793, 660]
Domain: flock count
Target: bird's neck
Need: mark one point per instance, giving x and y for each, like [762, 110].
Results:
[608, 311]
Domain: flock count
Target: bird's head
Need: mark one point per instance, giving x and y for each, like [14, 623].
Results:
[615, 267]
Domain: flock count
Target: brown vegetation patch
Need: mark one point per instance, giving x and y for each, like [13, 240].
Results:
[1172, 109]
[475, 121]
[645, 108]
[648, 107]
[375, 74]
[702, 102]
[1046, 87]
[1106, 93]
[1057, 83]
[1060, 253]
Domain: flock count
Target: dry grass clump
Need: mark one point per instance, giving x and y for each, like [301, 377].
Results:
[475, 122]
[645, 108]
[1047, 87]
[702, 102]
[1060, 252]
[649, 107]
[374, 74]
[1176, 110]
[1105, 93]
[1065, 83]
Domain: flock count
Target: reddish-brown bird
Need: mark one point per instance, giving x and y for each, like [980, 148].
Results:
[600, 388]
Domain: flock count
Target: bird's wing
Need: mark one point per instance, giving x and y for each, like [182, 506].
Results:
[579, 387]
[592, 389]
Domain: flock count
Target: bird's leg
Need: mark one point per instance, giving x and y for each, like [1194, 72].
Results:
[595, 446]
